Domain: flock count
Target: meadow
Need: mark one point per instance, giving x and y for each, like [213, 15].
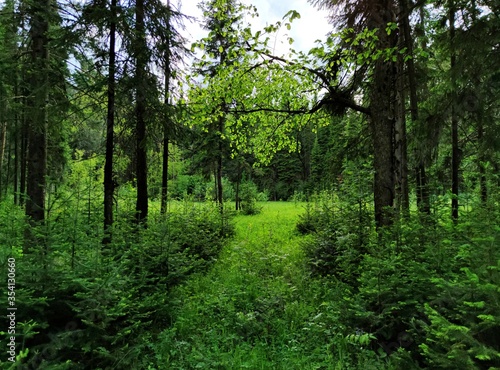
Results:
[258, 307]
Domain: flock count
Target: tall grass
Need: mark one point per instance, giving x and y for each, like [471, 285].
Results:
[258, 308]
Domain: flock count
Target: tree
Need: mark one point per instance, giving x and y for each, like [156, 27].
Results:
[141, 59]
[455, 157]
[9, 54]
[222, 45]
[377, 17]
[109, 182]
[174, 52]
[39, 13]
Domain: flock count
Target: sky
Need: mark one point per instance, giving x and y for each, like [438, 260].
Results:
[312, 25]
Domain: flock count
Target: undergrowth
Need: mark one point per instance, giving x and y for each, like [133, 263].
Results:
[425, 290]
[258, 308]
[82, 306]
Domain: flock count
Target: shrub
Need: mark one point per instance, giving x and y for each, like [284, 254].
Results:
[80, 308]
[248, 198]
[341, 234]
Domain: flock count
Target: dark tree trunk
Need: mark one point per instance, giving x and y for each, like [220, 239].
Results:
[164, 175]
[16, 161]
[9, 163]
[16, 144]
[455, 156]
[407, 41]
[421, 155]
[483, 188]
[383, 158]
[23, 156]
[220, 199]
[109, 183]
[383, 122]
[37, 124]
[3, 136]
[401, 154]
[141, 156]
[237, 192]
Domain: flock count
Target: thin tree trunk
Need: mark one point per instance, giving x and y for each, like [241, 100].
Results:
[141, 155]
[220, 199]
[164, 176]
[16, 143]
[455, 159]
[9, 162]
[421, 154]
[481, 158]
[237, 193]
[23, 155]
[215, 185]
[401, 155]
[109, 183]
[422, 190]
[3, 136]
[483, 188]
[16, 161]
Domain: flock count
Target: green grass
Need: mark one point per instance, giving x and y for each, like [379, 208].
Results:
[257, 308]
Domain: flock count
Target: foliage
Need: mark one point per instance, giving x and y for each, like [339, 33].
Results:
[248, 198]
[429, 296]
[83, 309]
[258, 309]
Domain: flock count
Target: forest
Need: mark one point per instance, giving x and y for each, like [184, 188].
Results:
[168, 203]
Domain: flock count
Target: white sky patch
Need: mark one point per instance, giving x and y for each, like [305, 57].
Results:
[311, 26]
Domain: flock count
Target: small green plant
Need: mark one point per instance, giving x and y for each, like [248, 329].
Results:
[248, 198]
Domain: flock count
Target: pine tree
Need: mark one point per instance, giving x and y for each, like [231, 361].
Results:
[37, 119]
[109, 182]
[377, 15]
[222, 17]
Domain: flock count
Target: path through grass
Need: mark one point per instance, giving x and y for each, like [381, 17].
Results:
[257, 308]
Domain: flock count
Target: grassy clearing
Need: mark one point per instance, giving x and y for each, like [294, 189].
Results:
[257, 308]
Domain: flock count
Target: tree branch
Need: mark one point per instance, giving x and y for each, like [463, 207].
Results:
[334, 97]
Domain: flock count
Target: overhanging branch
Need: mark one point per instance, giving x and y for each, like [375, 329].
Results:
[334, 97]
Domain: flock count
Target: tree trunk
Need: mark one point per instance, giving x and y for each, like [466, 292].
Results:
[422, 190]
[401, 154]
[421, 154]
[38, 118]
[220, 199]
[141, 156]
[382, 119]
[483, 188]
[16, 144]
[164, 175]
[455, 156]
[109, 183]
[24, 154]
[383, 158]
[9, 162]
[16, 161]
[237, 192]
[3, 136]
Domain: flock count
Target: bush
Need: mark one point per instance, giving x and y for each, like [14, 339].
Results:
[185, 186]
[341, 234]
[80, 308]
[248, 198]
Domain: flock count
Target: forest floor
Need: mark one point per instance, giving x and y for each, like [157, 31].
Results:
[257, 308]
